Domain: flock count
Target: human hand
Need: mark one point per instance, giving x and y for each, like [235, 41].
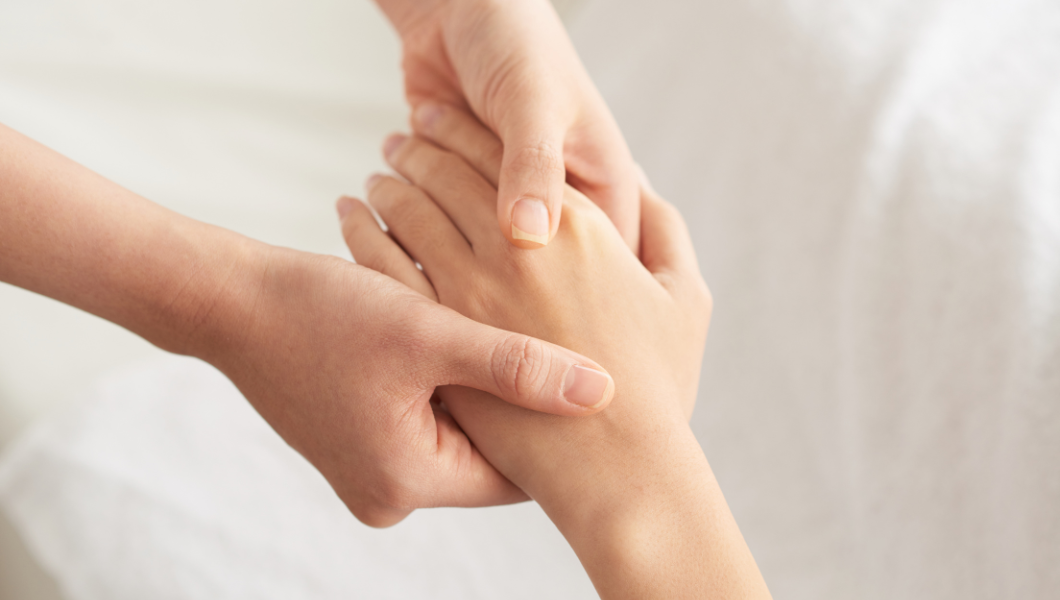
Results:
[646, 321]
[339, 359]
[343, 363]
[512, 65]
[629, 487]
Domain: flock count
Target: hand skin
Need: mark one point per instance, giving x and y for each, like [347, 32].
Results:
[511, 63]
[629, 487]
[339, 359]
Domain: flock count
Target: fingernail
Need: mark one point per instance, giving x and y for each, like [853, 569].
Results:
[587, 387]
[393, 143]
[530, 221]
[427, 115]
[344, 206]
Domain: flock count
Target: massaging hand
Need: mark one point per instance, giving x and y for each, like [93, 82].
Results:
[340, 360]
[513, 65]
[629, 487]
[343, 362]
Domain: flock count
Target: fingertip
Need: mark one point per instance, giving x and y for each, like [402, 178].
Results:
[392, 143]
[589, 389]
[344, 205]
[371, 182]
[531, 223]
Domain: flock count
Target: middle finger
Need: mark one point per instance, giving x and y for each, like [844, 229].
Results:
[465, 196]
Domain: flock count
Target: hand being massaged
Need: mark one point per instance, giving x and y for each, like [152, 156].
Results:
[629, 486]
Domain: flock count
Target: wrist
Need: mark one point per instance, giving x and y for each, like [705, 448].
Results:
[659, 527]
[620, 475]
[206, 308]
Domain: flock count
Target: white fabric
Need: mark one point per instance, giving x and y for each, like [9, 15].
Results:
[874, 192]
[163, 483]
[253, 115]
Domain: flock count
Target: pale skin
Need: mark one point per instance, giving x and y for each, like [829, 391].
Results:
[628, 487]
[339, 359]
[541, 103]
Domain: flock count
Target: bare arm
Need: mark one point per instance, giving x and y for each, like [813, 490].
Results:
[340, 360]
[67, 233]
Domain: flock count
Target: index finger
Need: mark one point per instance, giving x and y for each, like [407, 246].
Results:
[463, 134]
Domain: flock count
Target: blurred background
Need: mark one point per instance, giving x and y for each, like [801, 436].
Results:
[874, 194]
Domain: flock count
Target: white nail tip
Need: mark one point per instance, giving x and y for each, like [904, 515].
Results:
[519, 234]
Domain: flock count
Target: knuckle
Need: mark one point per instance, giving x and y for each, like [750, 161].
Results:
[520, 365]
[416, 334]
[394, 494]
[541, 159]
[477, 301]
[376, 516]
[702, 301]
[358, 234]
[381, 261]
[428, 161]
[371, 509]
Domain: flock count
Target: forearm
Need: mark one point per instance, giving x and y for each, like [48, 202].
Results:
[70, 234]
[629, 488]
[657, 527]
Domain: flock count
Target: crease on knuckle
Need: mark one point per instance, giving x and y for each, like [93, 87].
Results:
[519, 365]
[541, 159]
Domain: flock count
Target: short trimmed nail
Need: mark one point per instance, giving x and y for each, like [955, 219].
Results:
[370, 183]
[530, 221]
[427, 115]
[587, 387]
[344, 206]
[393, 143]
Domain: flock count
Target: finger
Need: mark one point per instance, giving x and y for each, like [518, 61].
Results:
[420, 226]
[373, 248]
[666, 245]
[599, 165]
[462, 476]
[450, 181]
[459, 132]
[521, 370]
[440, 468]
[530, 191]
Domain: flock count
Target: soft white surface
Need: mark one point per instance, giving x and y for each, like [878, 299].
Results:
[874, 190]
[164, 483]
[252, 115]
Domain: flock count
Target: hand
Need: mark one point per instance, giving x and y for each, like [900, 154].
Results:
[628, 487]
[340, 360]
[646, 321]
[512, 64]
[343, 363]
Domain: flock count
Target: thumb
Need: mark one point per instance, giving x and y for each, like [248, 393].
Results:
[522, 370]
[530, 190]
